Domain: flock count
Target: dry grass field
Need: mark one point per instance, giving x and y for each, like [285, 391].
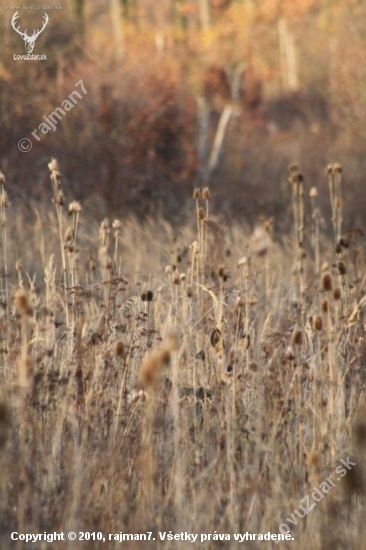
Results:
[202, 378]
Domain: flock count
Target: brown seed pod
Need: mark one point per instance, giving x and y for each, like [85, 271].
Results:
[327, 282]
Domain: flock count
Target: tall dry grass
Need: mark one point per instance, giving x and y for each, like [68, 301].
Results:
[197, 378]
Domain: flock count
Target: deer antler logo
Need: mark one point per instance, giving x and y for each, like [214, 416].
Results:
[29, 40]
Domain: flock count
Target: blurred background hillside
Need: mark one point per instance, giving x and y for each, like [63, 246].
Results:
[184, 93]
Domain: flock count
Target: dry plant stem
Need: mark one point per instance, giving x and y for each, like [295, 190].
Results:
[57, 196]
[4, 238]
[332, 375]
[178, 459]
[315, 233]
[335, 191]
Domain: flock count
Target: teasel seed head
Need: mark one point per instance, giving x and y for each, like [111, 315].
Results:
[21, 302]
[116, 224]
[337, 294]
[353, 482]
[176, 278]
[318, 323]
[196, 194]
[149, 296]
[59, 199]
[54, 167]
[74, 207]
[152, 366]
[298, 338]
[327, 282]
[342, 268]
[69, 235]
[201, 214]
[314, 459]
[119, 349]
[325, 306]
[206, 194]
[344, 242]
[293, 168]
[359, 426]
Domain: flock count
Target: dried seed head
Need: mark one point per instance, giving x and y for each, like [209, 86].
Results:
[338, 248]
[221, 272]
[289, 354]
[327, 282]
[337, 168]
[59, 198]
[313, 192]
[293, 168]
[176, 278]
[196, 194]
[318, 323]
[104, 225]
[216, 338]
[116, 224]
[119, 349]
[21, 302]
[143, 297]
[337, 294]
[342, 268]
[69, 235]
[206, 194]
[152, 366]
[298, 338]
[54, 167]
[353, 482]
[359, 426]
[314, 459]
[189, 291]
[168, 269]
[325, 306]
[4, 413]
[149, 296]
[74, 207]
[201, 214]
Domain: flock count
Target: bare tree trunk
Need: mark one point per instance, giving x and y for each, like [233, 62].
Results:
[288, 61]
[218, 141]
[204, 11]
[117, 25]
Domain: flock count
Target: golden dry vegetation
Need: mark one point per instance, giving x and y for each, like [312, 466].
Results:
[198, 378]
